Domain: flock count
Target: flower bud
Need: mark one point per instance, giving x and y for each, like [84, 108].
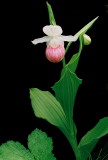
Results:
[55, 55]
[87, 39]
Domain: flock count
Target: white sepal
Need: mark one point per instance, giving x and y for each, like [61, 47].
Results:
[41, 40]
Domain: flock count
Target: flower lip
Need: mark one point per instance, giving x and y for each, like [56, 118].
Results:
[55, 55]
[52, 31]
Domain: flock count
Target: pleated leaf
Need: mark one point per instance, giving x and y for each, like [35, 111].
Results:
[47, 107]
[66, 88]
[65, 91]
[90, 139]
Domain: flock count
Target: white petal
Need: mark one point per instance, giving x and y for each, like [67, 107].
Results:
[41, 40]
[51, 30]
[69, 38]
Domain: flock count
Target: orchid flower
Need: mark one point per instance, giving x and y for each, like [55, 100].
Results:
[55, 50]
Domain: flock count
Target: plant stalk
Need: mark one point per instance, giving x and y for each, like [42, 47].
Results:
[73, 143]
[63, 62]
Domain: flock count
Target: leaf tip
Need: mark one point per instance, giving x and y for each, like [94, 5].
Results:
[47, 3]
[31, 90]
[96, 18]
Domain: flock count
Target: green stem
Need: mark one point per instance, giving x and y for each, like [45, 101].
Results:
[68, 45]
[63, 62]
[71, 137]
[74, 146]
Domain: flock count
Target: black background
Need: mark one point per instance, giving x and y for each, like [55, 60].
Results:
[24, 65]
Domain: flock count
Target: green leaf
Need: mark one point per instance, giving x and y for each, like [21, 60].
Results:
[40, 145]
[66, 88]
[50, 157]
[86, 28]
[89, 141]
[65, 91]
[14, 151]
[73, 63]
[83, 31]
[51, 15]
[47, 107]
